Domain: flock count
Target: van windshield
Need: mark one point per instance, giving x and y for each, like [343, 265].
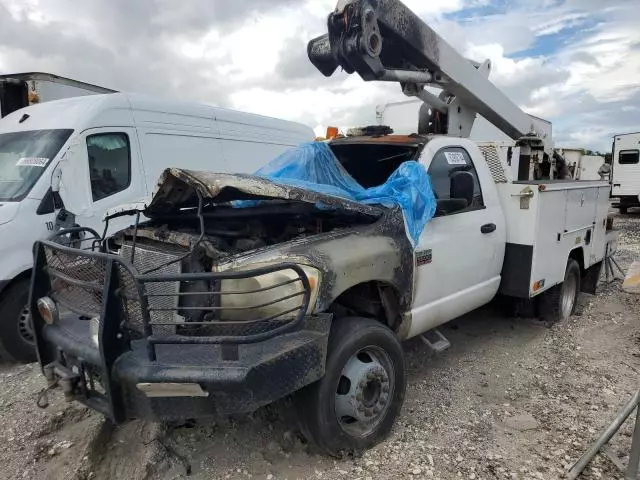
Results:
[23, 158]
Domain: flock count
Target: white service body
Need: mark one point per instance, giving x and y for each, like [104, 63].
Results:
[516, 241]
[154, 134]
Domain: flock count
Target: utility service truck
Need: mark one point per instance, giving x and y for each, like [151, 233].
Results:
[238, 290]
[66, 162]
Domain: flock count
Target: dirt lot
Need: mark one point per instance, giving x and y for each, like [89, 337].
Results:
[512, 398]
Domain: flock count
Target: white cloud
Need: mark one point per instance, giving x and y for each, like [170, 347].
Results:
[251, 55]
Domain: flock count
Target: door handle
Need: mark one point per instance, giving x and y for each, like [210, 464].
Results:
[488, 228]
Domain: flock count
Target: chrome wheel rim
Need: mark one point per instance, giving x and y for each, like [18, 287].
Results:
[365, 391]
[25, 328]
[568, 295]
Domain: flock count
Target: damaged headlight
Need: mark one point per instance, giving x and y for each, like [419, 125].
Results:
[276, 294]
[94, 330]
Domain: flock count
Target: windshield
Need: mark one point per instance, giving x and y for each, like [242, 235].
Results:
[23, 158]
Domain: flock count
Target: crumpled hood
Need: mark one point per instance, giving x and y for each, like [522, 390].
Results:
[177, 189]
[8, 211]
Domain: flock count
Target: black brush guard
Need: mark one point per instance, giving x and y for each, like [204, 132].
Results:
[235, 366]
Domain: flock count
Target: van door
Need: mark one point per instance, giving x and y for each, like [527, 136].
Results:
[109, 161]
[458, 258]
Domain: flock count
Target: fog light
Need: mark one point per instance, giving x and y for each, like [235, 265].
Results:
[48, 310]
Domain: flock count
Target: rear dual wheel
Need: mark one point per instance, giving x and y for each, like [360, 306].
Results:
[356, 403]
[559, 302]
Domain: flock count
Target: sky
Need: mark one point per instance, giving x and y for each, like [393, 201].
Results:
[574, 62]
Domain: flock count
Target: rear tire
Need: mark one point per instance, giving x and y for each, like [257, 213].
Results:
[17, 343]
[559, 302]
[356, 403]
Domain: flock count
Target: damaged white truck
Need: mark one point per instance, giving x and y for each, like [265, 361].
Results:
[211, 307]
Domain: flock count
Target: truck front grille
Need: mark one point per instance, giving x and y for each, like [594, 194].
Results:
[161, 295]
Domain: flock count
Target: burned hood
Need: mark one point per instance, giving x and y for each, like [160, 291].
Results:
[178, 188]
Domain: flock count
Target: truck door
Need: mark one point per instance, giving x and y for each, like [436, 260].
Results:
[102, 172]
[459, 256]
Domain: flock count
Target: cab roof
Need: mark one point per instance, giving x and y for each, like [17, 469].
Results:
[413, 140]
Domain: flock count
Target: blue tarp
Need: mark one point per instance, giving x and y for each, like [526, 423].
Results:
[314, 166]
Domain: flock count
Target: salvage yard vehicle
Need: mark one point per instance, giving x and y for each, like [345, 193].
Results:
[72, 159]
[238, 290]
[625, 176]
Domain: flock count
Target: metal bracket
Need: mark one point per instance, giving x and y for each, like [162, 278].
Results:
[437, 343]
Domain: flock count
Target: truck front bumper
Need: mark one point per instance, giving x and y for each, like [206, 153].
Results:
[185, 381]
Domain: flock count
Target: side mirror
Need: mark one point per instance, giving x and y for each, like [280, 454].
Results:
[462, 186]
[55, 178]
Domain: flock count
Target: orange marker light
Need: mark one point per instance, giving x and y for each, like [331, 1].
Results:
[538, 285]
[332, 132]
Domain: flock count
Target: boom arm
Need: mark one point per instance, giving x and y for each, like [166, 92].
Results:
[383, 40]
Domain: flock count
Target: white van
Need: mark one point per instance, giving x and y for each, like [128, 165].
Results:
[101, 151]
[625, 176]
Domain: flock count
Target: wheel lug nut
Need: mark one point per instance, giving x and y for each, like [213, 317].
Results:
[368, 413]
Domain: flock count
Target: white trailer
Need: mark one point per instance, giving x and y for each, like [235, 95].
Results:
[19, 90]
[625, 177]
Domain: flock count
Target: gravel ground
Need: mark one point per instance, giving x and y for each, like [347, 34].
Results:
[512, 399]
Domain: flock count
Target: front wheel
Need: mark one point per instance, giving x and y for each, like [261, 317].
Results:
[17, 342]
[356, 403]
[559, 302]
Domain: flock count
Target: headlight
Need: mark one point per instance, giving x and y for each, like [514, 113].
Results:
[48, 310]
[94, 329]
[253, 298]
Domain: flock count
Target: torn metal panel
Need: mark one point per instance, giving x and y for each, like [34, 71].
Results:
[177, 189]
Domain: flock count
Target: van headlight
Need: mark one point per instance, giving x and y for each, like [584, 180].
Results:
[276, 294]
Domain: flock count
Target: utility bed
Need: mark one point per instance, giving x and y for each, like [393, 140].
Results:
[548, 221]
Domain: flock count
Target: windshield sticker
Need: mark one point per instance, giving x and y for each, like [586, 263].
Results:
[455, 158]
[32, 162]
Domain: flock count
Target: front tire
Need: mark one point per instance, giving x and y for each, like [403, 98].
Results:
[17, 342]
[559, 302]
[355, 405]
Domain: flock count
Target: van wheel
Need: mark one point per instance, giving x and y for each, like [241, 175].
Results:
[17, 342]
[356, 403]
[623, 210]
[559, 302]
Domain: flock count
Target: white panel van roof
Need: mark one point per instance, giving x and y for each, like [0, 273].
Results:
[75, 113]
[120, 109]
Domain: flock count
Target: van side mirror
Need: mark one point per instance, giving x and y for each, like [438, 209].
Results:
[55, 178]
[462, 186]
